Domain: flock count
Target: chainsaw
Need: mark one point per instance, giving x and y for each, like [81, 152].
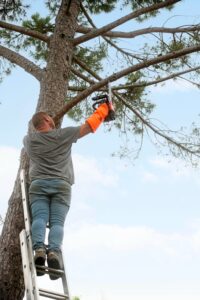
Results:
[105, 98]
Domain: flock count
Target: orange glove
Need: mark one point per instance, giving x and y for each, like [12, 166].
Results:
[98, 116]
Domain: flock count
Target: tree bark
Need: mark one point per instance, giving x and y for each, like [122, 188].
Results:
[25, 31]
[52, 96]
[21, 61]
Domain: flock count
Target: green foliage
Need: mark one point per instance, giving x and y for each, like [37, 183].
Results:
[37, 49]
[5, 68]
[196, 37]
[6, 35]
[163, 47]
[53, 6]
[12, 10]
[34, 47]
[99, 6]
[92, 6]
[92, 56]
[80, 111]
[176, 45]
[137, 4]
[42, 25]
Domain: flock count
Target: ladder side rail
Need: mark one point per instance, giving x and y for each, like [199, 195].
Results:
[27, 219]
[29, 249]
[32, 267]
[31, 290]
[64, 277]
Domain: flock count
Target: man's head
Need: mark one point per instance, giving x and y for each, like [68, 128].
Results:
[42, 121]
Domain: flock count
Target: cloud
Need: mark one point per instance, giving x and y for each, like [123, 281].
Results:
[9, 162]
[159, 169]
[175, 168]
[91, 171]
[96, 182]
[149, 177]
[94, 179]
[94, 238]
[172, 86]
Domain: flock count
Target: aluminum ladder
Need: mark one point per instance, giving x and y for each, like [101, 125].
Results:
[33, 292]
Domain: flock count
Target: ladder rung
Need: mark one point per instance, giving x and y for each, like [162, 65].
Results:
[53, 295]
[48, 270]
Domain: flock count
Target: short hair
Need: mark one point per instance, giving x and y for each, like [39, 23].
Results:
[38, 119]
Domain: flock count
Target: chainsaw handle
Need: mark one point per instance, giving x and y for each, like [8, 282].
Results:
[105, 99]
[100, 97]
[110, 116]
[97, 103]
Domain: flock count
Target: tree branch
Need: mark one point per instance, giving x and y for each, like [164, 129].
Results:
[26, 31]
[122, 20]
[109, 41]
[135, 85]
[22, 62]
[153, 128]
[144, 121]
[190, 81]
[75, 88]
[132, 34]
[83, 29]
[141, 84]
[85, 67]
[121, 74]
[80, 75]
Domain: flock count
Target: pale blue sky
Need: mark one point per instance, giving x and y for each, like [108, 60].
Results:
[133, 230]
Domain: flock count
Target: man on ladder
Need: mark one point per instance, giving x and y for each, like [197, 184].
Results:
[51, 176]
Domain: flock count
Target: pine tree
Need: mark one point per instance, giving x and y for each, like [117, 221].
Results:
[65, 52]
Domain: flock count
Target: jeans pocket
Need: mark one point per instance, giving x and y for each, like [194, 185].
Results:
[63, 191]
[35, 187]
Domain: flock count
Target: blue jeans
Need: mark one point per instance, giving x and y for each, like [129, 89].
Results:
[50, 202]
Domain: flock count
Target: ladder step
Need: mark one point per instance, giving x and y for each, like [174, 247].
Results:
[48, 270]
[53, 295]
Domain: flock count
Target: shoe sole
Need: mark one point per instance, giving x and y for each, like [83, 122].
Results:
[40, 261]
[53, 264]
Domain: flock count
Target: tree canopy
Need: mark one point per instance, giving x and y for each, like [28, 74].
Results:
[171, 53]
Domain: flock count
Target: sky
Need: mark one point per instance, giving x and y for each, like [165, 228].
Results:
[133, 229]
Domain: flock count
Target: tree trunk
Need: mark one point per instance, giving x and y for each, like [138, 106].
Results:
[53, 87]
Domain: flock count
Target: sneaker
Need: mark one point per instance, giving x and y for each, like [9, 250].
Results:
[39, 259]
[54, 262]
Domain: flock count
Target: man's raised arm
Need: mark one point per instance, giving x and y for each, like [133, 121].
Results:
[95, 120]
